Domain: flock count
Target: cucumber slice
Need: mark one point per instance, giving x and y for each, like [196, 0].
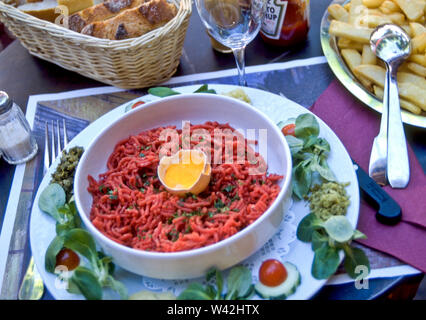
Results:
[283, 290]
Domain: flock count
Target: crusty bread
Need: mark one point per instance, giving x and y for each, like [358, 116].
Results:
[100, 12]
[133, 22]
[75, 5]
[44, 10]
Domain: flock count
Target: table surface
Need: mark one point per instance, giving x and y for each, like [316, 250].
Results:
[23, 75]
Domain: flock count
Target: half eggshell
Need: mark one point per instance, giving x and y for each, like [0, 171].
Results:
[186, 155]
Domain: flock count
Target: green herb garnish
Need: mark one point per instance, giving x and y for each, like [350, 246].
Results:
[218, 204]
[65, 171]
[228, 188]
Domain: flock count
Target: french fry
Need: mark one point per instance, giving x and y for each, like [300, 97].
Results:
[347, 6]
[421, 19]
[418, 43]
[397, 18]
[389, 6]
[365, 83]
[375, 12]
[356, 9]
[417, 69]
[338, 12]
[351, 57]
[416, 29]
[414, 79]
[344, 43]
[406, 28]
[413, 9]
[368, 56]
[403, 103]
[346, 30]
[413, 94]
[352, 25]
[403, 67]
[372, 21]
[418, 58]
[372, 3]
[409, 91]
[377, 75]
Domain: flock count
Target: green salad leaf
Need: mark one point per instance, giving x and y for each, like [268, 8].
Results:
[328, 238]
[52, 251]
[238, 285]
[327, 229]
[87, 283]
[326, 261]
[51, 200]
[306, 126]
[355, 257]
[309, 153]
[339, 228]
[97, 271]
[319, 240]
[196, 291]
[307, 226]
[163, 92]
[205, 89]
[80, 241]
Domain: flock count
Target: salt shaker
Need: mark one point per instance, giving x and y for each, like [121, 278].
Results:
[17, 144]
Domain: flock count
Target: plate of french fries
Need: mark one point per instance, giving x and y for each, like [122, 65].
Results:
[345, 38]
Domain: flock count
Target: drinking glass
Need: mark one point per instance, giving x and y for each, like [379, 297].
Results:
[234, 23]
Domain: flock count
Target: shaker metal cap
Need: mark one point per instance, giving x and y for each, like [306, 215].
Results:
[5, 102]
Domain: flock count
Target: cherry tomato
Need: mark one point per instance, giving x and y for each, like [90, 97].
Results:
[68, 258]
[272, 273]
[288, 130]
[137, 104]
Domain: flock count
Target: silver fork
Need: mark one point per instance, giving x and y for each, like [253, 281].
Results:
[32, 286]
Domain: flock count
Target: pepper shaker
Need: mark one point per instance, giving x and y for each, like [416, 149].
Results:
[17, 144]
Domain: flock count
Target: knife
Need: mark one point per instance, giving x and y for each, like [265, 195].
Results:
[388, 211]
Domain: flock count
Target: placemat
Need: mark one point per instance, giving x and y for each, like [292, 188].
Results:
[81, 107]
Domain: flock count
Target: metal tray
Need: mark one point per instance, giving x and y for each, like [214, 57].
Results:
[345, 76]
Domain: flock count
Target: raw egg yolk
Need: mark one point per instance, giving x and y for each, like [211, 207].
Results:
[183, 175]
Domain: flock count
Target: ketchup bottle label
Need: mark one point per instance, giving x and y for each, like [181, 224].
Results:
[274, 18]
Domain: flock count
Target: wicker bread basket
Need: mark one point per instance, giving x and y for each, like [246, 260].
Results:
[131, 63]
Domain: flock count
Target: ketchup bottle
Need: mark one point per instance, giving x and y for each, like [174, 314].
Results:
[286, 22]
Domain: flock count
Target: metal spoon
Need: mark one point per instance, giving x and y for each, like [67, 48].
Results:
[389, 157]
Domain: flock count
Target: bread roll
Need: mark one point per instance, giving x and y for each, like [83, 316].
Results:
[100, 12]
[133, 22]
[75, 5]
[43, 10]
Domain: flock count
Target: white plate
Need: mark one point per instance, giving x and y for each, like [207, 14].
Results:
[42, 227]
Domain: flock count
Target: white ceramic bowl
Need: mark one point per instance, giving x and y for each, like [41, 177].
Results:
[196, 108]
